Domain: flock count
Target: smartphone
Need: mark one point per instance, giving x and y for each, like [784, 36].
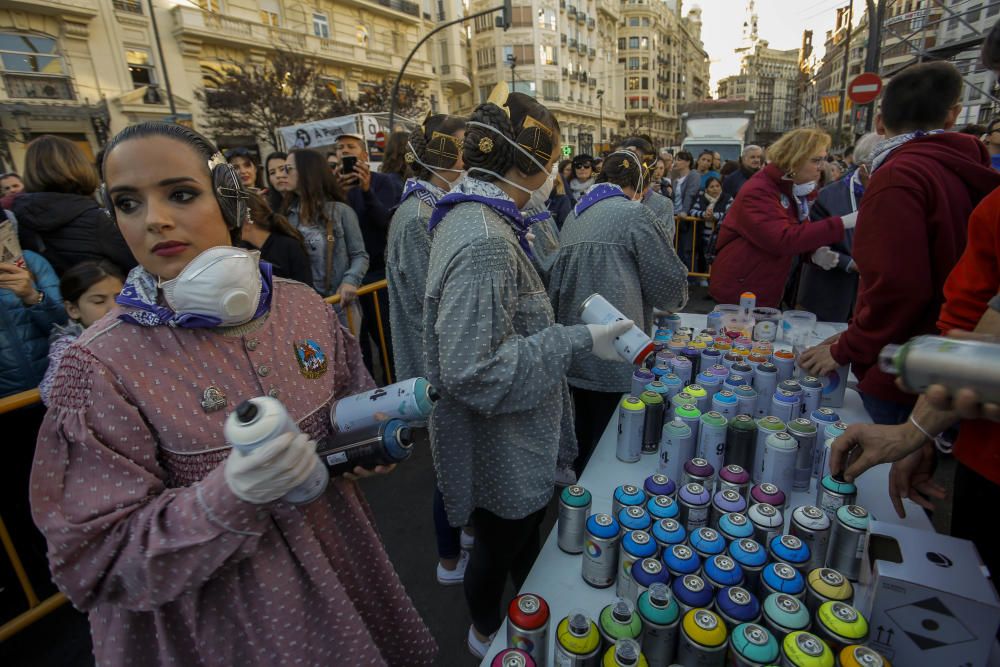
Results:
[347, 164]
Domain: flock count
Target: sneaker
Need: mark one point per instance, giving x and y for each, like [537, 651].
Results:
[454, 577]
[467, 541]
[479, 648]
[565, 476]
[703, 283]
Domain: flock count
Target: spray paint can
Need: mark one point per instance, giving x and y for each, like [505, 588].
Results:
[617, 621]
[384, 443]
[766, 426]
[784, 405]
[840, 625]
[683, 369]
[578, 643]
[724, 402]
[746, 396]
[835, 430]
[712, 439]
[781, 578]
[707, 542]
[804, 432]
[664, 357]
[751, 557]
[822, 453]
[784, 362]
[641, 377]
[633, 517]
[766, 492]
[574, 508]
[658, 387]
[660, 616]
[635, 546]
[724, 502]
[721, 571]
[512, 657]
[699, 471]
[791, 550]
[736, 605]
[729, 359]
[627, 495]
[634, 345]
[803, 649]
[765, 381]
[600, 551]
[700, 396]
[734, 380]
[653, 423]
[741, 439]
[693, 354]
[792, 387]
[528, 626]
[631, 429]
[811, 525]
[752, 645]
[827, 585]
[780, 454]
[658, 484]
[690, 415]
[812, 394]
[668, 532]
[662, 507]
[703, 640]
[783, 614]
[711, 384]
[954, 363]
[258, 421]
[756, 359]
[645, 573]
[677, 344]
[692, 592]
[625, 653]
[673, 383]
[832, 494]
[677, 446]
[848, 540]
[734, 477]
[860, 656]
[694, 500]
[821, 418]
[409, 401]
[720, 371]
[710, 357]
[767, 522]
[680, 561]
[735, 526]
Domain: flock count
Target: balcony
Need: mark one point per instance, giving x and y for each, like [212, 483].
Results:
[591, 24]
[592, 83]
[562, 40]
[70, 8]
[592, 53]
[571, 12]
[562, 4]
[393, 8]
[456, 78]
[581, 18]
[128, 6]
[38, 87]
[572, 44]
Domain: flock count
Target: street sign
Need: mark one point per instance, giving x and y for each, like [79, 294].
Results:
[380, 139]
[864, 88]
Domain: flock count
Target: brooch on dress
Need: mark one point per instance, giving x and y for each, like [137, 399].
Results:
[213, 400]
[311, 358]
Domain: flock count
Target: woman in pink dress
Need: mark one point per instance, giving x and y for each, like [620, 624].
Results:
[180, 549]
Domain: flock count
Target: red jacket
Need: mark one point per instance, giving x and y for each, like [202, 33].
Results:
[760, 237]
[911, 231]
[974, 281]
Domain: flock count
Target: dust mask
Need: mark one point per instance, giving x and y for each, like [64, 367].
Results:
[222, 283]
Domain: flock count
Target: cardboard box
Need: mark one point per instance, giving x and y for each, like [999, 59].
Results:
[834, 386]
[930, 599]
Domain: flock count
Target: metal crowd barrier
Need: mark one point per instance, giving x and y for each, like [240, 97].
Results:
[697, 225]
[38, 609]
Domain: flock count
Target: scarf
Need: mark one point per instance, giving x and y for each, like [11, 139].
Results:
[597, 193]
[140, 295]
[490, 196]
[425, 191]
[579, 187]
[885, 147]
[711, 202]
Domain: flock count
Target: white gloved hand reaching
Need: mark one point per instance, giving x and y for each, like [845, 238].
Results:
[604, 339]
[272, 470]
[850, 220]
[825, 258]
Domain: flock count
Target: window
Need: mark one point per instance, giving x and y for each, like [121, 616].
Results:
[486, 58]
[633, 83]
[139, 67]
[644, 43]
[645, 82]
[547, 55]
[269, 12]
[33, 68]
[645, 21]
[484, 93]
[547, 19]
[621, 43]
[521, 17]
[321, 25]
[993, 9]
[633, 21]
[633, 63]
[526, 87]
[484, 23]
[973, 14]
[361, 35]
[550, 91]
[335, 86]
[211, 5]
[633, 42]
[524, 55]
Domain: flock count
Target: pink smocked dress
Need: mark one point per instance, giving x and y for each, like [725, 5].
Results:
[145, 535]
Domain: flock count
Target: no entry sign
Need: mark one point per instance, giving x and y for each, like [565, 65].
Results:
[864, 88]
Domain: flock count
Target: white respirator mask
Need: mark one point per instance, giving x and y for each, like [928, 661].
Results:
[222, 283]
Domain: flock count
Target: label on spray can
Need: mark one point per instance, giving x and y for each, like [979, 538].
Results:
[410, 400]
[631, 426]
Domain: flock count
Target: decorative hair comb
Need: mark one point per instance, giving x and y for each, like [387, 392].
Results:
[217, 160]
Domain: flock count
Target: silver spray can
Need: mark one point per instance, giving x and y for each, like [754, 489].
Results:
[694, 501]
[600, 551]
[704, 644]
[951, 362]
[528, 626]
[677, 445]
[631, 425]
[661, 617]
[574, 508]
[765, 381]
[578, 642]
[634, 345]
[848, 540]
[833, 493]
[258, 421]
[712, 439]
[804, 432]
[765, 428]
[780, 453]
[410, 401]
[811, 525]
[812, 394]
[767, 522]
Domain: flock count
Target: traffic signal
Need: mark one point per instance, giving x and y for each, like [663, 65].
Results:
[506, 15]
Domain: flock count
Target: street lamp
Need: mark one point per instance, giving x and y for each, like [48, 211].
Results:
[512, 61]
[600, 131]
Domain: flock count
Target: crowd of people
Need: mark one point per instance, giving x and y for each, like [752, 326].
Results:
[219, 264]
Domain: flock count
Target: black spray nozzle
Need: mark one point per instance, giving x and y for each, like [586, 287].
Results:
[246, 412]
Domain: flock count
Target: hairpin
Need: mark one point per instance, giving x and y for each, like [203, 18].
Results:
[217, 160]
[485, 145]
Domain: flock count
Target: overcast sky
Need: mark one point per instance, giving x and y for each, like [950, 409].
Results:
[780, 22]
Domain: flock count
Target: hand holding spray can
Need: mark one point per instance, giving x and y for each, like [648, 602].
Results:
[259, 421]
[382, 443]
[410, 401]
[634, 345]
[954, 363]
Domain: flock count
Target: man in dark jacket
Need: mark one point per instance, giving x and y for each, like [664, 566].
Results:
[750, 162]
[372, 196]
[911, 229]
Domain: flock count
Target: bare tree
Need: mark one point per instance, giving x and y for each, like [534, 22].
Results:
[411, 101]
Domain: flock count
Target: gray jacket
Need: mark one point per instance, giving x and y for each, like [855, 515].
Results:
[545, 246]
[497, 357]
[663, 208]
[350, 260]
[406, 255]
[619, 249]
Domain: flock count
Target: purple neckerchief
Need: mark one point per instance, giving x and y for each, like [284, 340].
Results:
[140, 292]
[420, 190]
[535, 218]
[598, 193]
[504, 207]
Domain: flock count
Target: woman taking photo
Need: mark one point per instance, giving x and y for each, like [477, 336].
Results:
[180, 548]
[496, 355]
[768, 224]
[280, 244]
[319, 211]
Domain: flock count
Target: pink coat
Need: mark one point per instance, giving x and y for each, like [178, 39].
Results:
[145, 535]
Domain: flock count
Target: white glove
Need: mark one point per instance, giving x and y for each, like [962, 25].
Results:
[825, 258]
[604, 336]
[850, 220]
[273, 469]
